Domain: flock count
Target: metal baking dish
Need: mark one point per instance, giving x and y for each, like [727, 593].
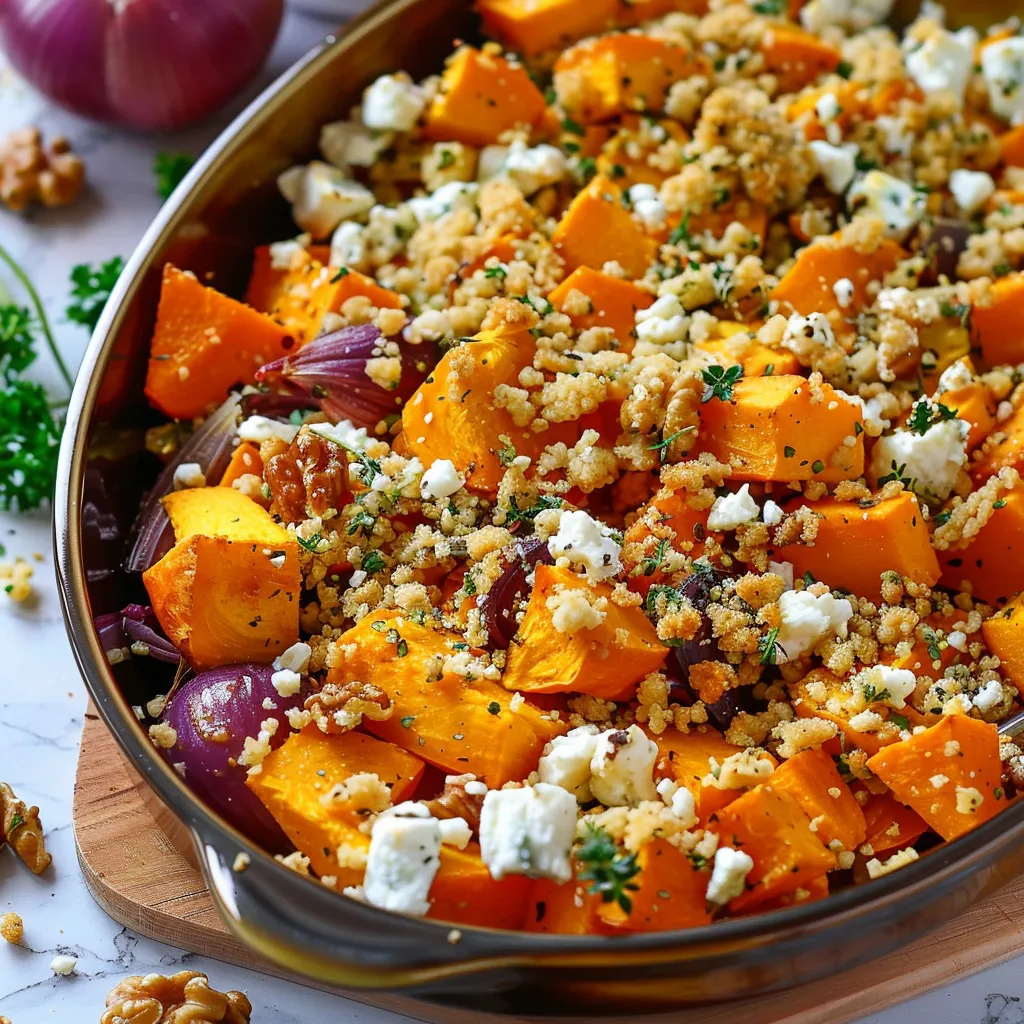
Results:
[228, 205]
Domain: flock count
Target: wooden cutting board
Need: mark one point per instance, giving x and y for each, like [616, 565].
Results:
[134, 870]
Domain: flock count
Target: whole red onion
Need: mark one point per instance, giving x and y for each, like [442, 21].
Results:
[146, 64]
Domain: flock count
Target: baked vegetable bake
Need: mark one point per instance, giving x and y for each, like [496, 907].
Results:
[605, 514]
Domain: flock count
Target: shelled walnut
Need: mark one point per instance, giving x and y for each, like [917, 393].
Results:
[33, 173]
[182, 998]
[20, 826]
[341, 707]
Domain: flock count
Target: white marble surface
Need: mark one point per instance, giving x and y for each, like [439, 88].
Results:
[42, 698]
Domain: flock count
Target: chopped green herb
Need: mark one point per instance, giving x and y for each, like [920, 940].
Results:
[817, 466]
[681, 233]
[91, 289]
[373, 562]
[403, 647]
[342, 273]
[662, 446]
[468, 585]
[500, 272]
[494, 708]
[445, 159]
[169, 169]
[809, 578]
[998, 503]
[507, 452]
[932, 642]
[516, 515]
[789, 451]
[897, 474]
[768, 370]
[572, 127]
[609, 871]
[361, 522]
[310, 543]
[899, 721]
[651, 563]
[407, 721]
[926, 414]
[16, 822]
[719, 382]
[844, 69]
[769, 647]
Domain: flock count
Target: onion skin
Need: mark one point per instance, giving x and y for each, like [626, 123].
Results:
[152, 65]
[497, 606]
[212, 714]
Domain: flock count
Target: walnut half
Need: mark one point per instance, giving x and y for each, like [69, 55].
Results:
[341, 707]
[31, 173]
[20, 826]
[182, 998]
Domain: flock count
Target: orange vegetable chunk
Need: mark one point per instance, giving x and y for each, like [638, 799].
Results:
[464, 892]
[567, 909]
[597, 229]
[891, 825]
[482, 95]
[533, 26]
[960, 750]
[806, 706]
[459, 724]
[769, 826]
[975, 405]
[812, 780]
[613, 303]
[222, 594]
[772, 429]
[796, 57]
[203, 343]
[245, 461]
[1004, 636]
[1005, 449]
[293, 778]
[858, 541]
[1011, 147]
[296, 296]
[606, 661]
[742, 350]
[999, 327]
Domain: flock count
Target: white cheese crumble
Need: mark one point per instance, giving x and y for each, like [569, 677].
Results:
[64, 965]
[851, 15]
[867, 721]
[843, 290]
[733, 510]
[944, 62]
[455, 195]
[295, 657]
[827, 107]
[957, 640]
[648, 206]
[187, 475]
[805, 336]
[566, 761]
[286, 682]
[895, 202]
[528, 831]
[836, 164]
[971, 188]
[349, 144]
[807, 620]
[322, 197]
[663, 322]
[886, 685]
[393, 103]
[932, 460]
[402, 861]
[259, 429]
[345, 433]
[455, 832]
[989, 695]
[968, 799]
[1002, 64]
[588, 544]
[441, 480]
[954, 377]
[877, 868]
[622, 768]
[729, 875]
[531, 168]
[772, 513]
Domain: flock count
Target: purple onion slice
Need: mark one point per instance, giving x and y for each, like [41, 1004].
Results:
[498, 605]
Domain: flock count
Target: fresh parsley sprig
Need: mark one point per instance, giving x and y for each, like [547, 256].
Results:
[609, 871]
[719, 382]
[169, 169]
[91, 289]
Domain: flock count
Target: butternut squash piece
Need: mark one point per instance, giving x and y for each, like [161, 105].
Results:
[714, 222]
[452, 414]
[228, 591]
[1011, 147]
[349, 284]
[945, 342]
[807, 706]
[769, 826]
[814, 890]
[625, 156]
[1004, 636]
[610, 301]
[568, 909]
[1005, 449]
[671, 893]
[610, 75]
[990, 563]
[771, 429]
[812, 780]
[464, 892]
[975, 405]
[858, 541]
[482, 95]
[296, 296]
[807, 286]
[293, 778]
[597, 229]
[920, 660]
[999, 327]
[533, 26]
[605, 661]
[456, 723]
[891, 825]
[742, 350]
[245, 461]
[950, 774]
[797, 58]
[848, 96]
[203, 344]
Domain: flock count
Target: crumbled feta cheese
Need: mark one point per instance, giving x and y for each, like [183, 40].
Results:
[455, 832]
[63, 965]
[622, 768]
[971, 188]
[528, 831]
[932, 460]
[827, 107]
[1002, 64]
[851, 15]
[566, 761]
[349, 144]
[348, 245]
[843, 290]
[956, 376]
[440, 481]
[957, 640]
[938, 781]
[531, 168]
[989, 695]
[648, 206]
[836, 164]
[286, 682]
[968, 799]
[284, 255]
[771, 514]
[189, 474]
[322, 197]
[896, 139]
[663, 322]
[683, 807]
[402, 861]
[491, 162]
[733, 510]
[805, 336]
[895, 202]
[345, 433]
[393, 103]
[867, 721]
[476, 788]
[259, 428]
[877, 868]
[729, 875]
[886, 684]
[807, 620]
[358, 578]
[587, 543]
[455, 195]
[944, 62]
[295, 657]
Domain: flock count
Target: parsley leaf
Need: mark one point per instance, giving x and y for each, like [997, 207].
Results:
[681, 233]
[310, 543]
[926, 414]
[91, 289]
[17, 339]
[651, 563]
[719, 382]
[373, 562]
[516, 515]
[169, 169]
[897, 474]
[610, 872]
[932, 642]
[769, 647]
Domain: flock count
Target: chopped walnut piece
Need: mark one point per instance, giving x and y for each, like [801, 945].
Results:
[33, 173]
[455, 802]
[307, 478]
[341, 707]
[182, 998]
[23, 830]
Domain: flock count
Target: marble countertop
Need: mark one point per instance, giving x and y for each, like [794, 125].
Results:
[42, 698]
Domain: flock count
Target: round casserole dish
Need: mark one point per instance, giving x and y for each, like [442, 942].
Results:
[228, 205]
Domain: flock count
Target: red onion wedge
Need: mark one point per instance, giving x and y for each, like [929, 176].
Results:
[498, 605]
[210, 446]
[332, 370]
[134, 631]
